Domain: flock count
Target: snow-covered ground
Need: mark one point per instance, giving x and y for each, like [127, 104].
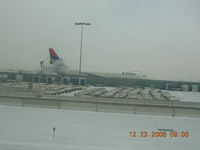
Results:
[86, 89]
[186, 96]
[182, 95]
[32, 129]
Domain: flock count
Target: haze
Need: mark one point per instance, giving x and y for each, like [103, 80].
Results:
[161, 38]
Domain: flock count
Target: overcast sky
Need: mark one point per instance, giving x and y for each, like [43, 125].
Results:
[161, 38]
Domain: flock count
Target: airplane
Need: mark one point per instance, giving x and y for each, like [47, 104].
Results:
[56, 64]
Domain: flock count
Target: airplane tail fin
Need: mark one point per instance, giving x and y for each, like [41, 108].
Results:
[53, 56]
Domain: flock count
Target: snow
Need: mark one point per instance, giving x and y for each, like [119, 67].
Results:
[24, 128]
[186, 96]
[86, 89]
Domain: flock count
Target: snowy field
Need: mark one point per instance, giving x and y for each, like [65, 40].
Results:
[186, 96]
[182, 95]
[24, 128]
[90, 87]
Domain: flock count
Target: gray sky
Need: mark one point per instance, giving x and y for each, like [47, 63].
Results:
[159, 37]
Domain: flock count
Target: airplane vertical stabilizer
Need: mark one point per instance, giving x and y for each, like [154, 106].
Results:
[53, 56]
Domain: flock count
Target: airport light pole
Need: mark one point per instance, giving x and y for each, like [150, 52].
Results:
[82, 24]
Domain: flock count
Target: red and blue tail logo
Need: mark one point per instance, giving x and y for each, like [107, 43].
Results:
[53, 56]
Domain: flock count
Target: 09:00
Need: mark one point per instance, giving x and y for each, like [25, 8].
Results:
[159, 134]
